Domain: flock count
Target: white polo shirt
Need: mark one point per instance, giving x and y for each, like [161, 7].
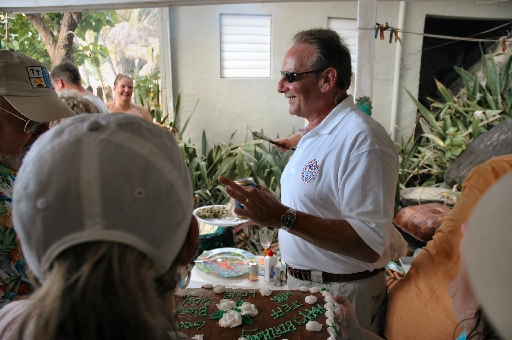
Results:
[346, 168]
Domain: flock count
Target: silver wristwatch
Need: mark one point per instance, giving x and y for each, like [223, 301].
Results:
[288, 219]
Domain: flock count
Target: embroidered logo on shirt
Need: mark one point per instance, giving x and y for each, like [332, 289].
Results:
[39, 77]
[310, 171]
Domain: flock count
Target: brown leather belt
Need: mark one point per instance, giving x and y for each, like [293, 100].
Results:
[323, 277]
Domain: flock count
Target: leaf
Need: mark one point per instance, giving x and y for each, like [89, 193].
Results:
[217, 315]
[247, 320]
[448, 97]
[427, 115]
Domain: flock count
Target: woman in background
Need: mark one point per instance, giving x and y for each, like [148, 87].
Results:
[123, 90]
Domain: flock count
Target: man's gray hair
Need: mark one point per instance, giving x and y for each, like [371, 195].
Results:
[331, 51]
[68, 72]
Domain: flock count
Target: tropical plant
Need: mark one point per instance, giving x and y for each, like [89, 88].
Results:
[451, 124]
[147, 93]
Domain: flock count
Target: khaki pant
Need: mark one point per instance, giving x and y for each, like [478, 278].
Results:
[368, 297]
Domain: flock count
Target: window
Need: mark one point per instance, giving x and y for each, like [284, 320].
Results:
[245, 46]
[347, 29]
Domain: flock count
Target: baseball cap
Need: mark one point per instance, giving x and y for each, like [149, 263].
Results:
[488, 252]
[25, 83]
[103, 177]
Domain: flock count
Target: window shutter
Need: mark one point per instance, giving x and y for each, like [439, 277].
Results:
[245, 46]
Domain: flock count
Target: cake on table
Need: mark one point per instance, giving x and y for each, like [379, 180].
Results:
[212, 313]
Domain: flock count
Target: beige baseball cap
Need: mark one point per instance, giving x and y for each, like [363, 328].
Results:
[488, 253]
[103, 177]
[25, 83]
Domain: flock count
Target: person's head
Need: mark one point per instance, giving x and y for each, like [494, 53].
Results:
[123, 87]
[322, 54]
[78, 103]
[65, 74]
[104, 224]
[486, 252]
[27, 103]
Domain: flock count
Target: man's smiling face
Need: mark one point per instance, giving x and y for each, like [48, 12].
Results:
[303, 94]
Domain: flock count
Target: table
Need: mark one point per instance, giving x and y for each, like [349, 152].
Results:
[198, 279]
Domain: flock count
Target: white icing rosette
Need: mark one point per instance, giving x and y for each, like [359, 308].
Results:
[303, 289]
[197, 337]
[310, 299]
[314, 290]
[329, 321]
[207, 286]
[329, 306]
[329, 299]
[331, 331]
[180, 292]
[313, 326]
[219, 289]
[326, 293]
[231, 319]
[265, 291]
[249, 309]
[226, 304]
[242, 338]
[331, 338]
[329, 314]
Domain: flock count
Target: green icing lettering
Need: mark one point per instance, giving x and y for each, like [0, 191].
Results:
[199, 324]
[203, 311]
[291, 326]
[296, 304]
[286, 308]
[192, 300]
[253, 293]
[207, 300]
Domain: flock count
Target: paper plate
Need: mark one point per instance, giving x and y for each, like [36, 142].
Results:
[225, 262]
[221, 222]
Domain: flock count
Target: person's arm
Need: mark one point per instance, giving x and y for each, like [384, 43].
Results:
[337, 236]
[145, 113]
[349, 327]
[290, 142]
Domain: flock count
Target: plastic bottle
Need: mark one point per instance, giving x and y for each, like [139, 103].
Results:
[270, 263]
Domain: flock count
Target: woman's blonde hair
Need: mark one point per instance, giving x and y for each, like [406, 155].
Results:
[102, 290]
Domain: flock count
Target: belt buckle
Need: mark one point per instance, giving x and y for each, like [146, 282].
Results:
[316, 276]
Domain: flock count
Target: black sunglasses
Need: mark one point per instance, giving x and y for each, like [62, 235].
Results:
[30, 125]
[291, 77]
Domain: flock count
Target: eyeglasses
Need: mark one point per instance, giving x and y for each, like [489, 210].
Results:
[30, 125]
[291, 77]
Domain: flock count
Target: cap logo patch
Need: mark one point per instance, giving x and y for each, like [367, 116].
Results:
[39, 77]
[310, 171]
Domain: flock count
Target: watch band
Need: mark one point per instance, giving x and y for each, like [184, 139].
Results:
[289, 219]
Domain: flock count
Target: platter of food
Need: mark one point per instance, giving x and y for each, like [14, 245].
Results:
[218, 215]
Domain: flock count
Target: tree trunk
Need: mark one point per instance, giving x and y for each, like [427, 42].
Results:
[60, 49]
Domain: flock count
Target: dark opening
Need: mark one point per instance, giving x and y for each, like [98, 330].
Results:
[440, 55]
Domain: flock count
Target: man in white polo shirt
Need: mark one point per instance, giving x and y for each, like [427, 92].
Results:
[338, 189]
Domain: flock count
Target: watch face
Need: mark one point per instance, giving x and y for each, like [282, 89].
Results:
[288, 219]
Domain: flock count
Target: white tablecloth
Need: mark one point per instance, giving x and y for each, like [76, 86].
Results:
[198, 279]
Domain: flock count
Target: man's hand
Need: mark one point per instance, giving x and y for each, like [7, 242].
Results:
[260, 204]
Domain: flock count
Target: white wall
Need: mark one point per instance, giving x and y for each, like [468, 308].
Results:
[229, 105]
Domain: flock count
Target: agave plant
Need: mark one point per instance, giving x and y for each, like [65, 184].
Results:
[449, 125]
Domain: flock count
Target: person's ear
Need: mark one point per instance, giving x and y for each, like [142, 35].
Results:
[189, 249]
[329, 77]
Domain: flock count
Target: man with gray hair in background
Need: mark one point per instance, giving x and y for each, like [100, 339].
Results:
[28, 103]
[66, 77]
